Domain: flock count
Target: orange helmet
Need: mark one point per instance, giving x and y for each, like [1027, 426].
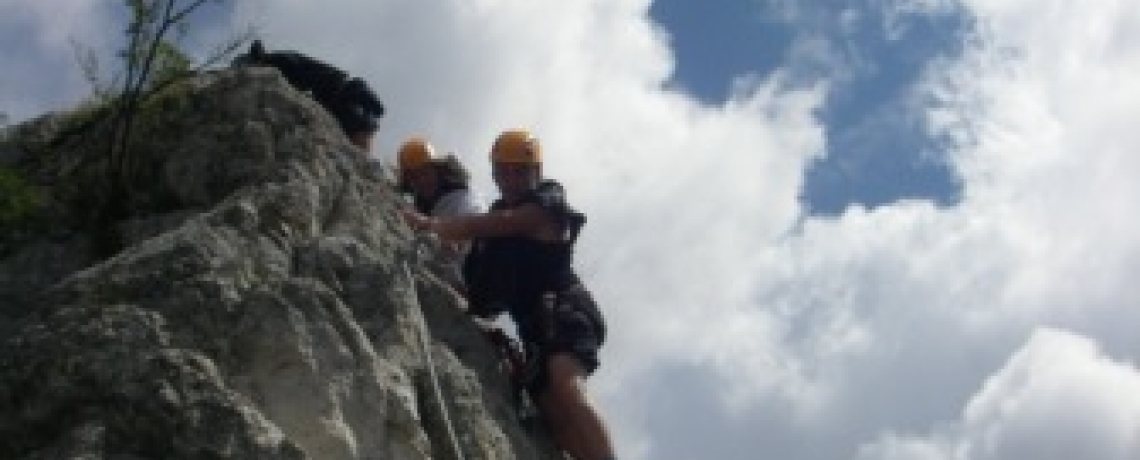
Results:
[516, 146]
[415, 153]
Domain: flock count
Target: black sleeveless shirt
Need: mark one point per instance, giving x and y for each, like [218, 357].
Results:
[513, 272]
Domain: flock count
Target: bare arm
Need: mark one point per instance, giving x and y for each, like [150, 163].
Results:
[526, 220]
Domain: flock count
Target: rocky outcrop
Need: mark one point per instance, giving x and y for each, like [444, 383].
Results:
[260, 301]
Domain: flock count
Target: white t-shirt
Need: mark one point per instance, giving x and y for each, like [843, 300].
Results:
[460, 202]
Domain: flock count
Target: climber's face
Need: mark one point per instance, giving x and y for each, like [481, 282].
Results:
[515, 179]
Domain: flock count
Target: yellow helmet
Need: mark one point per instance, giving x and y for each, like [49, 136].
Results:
[415, 153]
[516, 146]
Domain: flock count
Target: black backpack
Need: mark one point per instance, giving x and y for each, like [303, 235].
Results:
[349, 100]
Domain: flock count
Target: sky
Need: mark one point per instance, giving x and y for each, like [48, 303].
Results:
[866, 230]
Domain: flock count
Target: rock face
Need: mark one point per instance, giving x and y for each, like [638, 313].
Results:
[271, 308]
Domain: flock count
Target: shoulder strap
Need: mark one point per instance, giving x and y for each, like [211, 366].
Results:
[552, 196]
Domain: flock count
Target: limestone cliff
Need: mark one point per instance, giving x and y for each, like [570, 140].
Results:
[249, 300]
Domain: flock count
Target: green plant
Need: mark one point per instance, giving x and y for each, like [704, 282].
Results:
[151, 61]
[94, 165]
[17, 198]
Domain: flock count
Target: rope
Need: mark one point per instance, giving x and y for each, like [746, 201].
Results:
[436, 389]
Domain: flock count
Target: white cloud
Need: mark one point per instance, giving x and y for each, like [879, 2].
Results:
[78, 20]
[40, 68]
[939, 296]
[1047, 105]
[1058, 398]
[888, 320]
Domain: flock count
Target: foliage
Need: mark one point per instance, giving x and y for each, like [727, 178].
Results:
[151, 61]
[90, 163]
[17, 198]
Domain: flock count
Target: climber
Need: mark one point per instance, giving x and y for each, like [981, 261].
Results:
[439, 188]
[349, 100]
[520, 262]
[438, 185]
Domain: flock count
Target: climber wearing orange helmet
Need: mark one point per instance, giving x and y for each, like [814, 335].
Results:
[438, 185]
[438, 188]
[520, 262]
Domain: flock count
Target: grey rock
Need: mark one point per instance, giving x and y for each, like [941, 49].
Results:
[271, 308]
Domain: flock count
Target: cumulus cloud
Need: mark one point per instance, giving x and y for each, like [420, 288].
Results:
[894, 316]
[890, 319]
[1058, 397]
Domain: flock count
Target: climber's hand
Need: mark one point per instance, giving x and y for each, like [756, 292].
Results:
[416, 220]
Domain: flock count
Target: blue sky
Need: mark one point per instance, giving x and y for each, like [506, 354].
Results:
[877, 152]
[887, 230]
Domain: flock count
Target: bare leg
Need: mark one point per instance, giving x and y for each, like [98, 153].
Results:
[577, 426]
